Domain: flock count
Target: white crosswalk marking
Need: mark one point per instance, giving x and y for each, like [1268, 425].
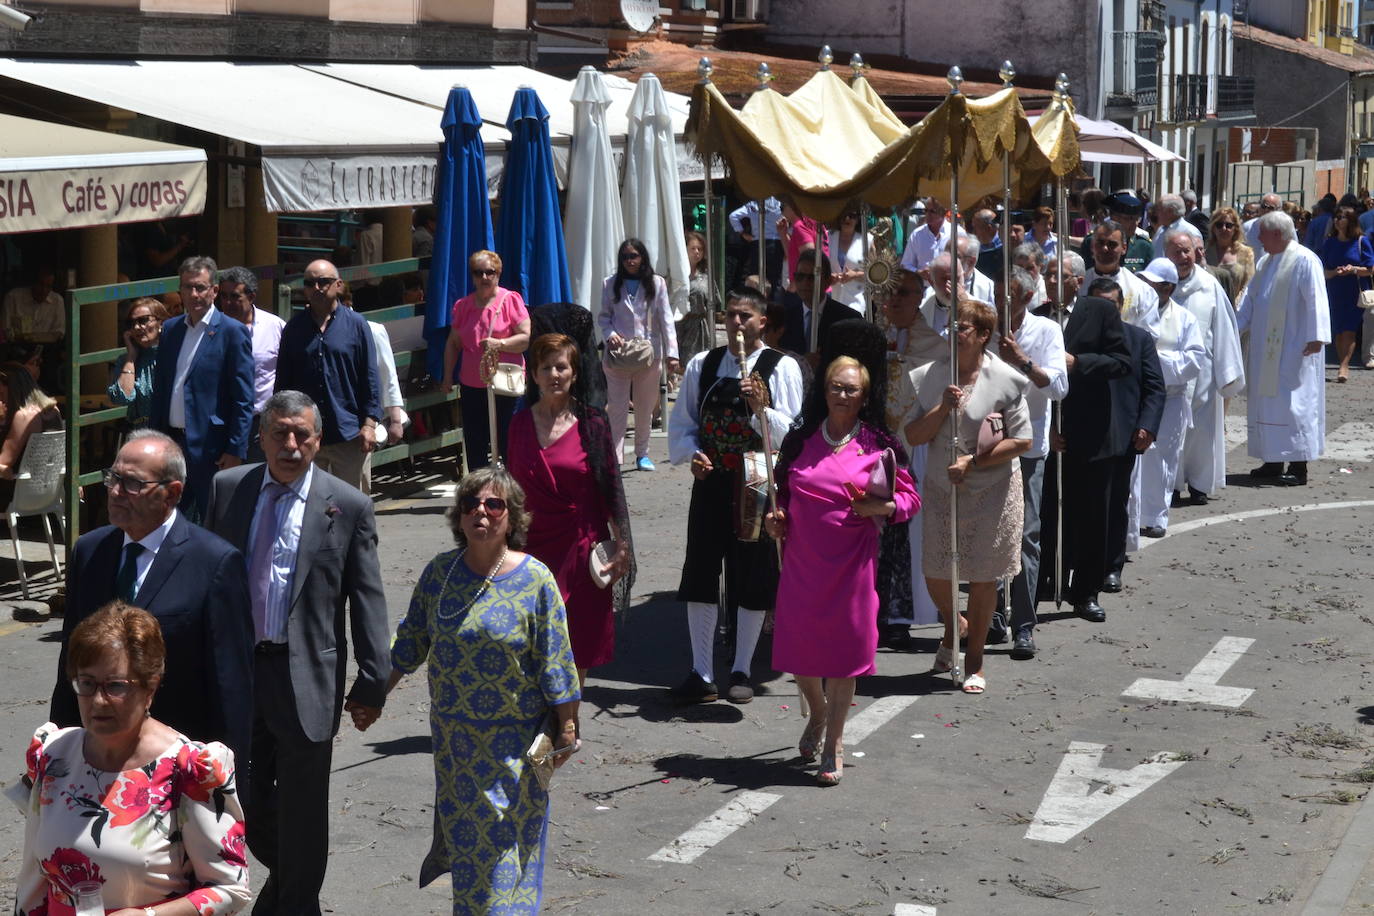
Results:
[742, 809]
[913, 909]
[1346, 443]
[1201, 684]
[877, 714]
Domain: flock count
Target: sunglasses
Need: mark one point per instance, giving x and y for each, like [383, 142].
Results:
[1225, 225]
[131, 485]
[140, 321]
[494, 505]
[488, 272]
[113, 690]
[321, 282]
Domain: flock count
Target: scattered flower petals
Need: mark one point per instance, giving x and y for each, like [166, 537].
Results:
[918, 737]
[857, 754]
[603, 807]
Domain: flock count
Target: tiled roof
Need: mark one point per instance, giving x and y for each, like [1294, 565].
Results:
[1362, 60]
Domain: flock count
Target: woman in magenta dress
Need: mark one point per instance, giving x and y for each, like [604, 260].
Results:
[826, 617]
[561, 454]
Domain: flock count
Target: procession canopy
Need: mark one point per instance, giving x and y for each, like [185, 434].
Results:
[830, 144]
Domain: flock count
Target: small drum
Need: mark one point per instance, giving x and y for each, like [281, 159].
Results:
[751, 497]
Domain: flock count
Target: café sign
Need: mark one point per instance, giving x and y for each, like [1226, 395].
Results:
[35, 196]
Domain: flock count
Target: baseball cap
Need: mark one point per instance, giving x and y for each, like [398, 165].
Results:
[1160, 270]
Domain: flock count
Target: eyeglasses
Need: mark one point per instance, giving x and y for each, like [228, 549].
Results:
[963, 328]
[199, 289]
[487, 272]
[494, 505]
[844, 391]
[140, 321]
[321, 282]
[131, 485]
[1225, 225]
[1269, 206]
[1107, 244]
[113, 690]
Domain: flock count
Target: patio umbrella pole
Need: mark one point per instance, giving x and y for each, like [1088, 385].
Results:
[956, 670]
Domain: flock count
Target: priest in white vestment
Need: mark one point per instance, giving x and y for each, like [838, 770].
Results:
[1139, 304]
[1285, 310]
[1202, 469]
[1181, 354]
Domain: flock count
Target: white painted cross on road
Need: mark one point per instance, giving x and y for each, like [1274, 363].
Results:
[1200, 685]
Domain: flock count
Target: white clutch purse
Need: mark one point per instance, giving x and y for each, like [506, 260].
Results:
[598, 561]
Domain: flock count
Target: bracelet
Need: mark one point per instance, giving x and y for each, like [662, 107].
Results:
[570, 728]
[127, 372]
[149, 911]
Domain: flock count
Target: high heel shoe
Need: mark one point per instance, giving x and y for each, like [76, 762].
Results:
[810, 742]
[832, 769]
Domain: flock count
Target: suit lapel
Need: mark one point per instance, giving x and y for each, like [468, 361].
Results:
[165, 562]
[238, 522]
[314, 524]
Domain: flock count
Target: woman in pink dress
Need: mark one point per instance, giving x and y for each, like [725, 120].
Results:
[491, 317]
[826, 617]
[562, 455]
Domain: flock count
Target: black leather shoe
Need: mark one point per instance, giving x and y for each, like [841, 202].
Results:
[896, 637]
[1112, 583]
[1197, 497]
[1268, 470]
[1296, 476]
[695, 689]
[1024, 647]
[1153, 531]
[1176, 501]
[1090, 610]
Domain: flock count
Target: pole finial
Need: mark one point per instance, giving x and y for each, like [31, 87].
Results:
[1061, 90]
[764, 75]
[825, 57]
[1007, 73]
[954, 78]
[704, 70]
[856, 64]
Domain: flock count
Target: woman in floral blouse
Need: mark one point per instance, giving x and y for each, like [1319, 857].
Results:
[124, 801]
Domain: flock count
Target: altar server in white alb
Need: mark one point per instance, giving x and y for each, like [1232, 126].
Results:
[1285, 310]
[1181, 354]
[1202, 469]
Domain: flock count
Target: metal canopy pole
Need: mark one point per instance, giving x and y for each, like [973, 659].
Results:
[820, 282]
[1008, 73]
[704, 69]
[1061, 85]
[856, 63]
[956, 670]
[761, 230]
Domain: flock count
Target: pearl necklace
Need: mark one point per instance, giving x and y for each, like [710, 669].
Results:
[481, 589]
[837, 444]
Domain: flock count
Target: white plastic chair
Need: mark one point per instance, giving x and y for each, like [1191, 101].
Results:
[38, 491]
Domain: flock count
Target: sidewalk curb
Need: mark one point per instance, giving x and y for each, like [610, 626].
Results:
[1352, 857]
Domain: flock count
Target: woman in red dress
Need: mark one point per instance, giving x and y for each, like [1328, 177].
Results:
[562, 455]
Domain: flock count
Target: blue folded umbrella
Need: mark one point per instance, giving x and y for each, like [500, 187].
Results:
[529, 233]
[463, 217]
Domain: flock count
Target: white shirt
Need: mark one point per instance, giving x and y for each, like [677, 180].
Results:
[1139, 302]
[924, 246]
[176, 406]
[851, 292]
[152, 543]
[935, 312]
[772, 213]
[784, 386]
[1043, 343]
[388, 385]
[1179, 223]
[981, 287]
[290, 512]
[24, 316]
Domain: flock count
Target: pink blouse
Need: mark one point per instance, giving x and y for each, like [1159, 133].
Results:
[500, 318]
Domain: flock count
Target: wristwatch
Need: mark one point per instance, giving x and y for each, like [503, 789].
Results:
[1026, 367]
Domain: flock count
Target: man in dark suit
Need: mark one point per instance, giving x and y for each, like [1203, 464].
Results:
[1096, 353]
[192, 581]
[1137, 409]
[797, 306]
[310, 540]
[203, 384]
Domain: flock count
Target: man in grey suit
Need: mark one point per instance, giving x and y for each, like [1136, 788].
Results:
[311, 545]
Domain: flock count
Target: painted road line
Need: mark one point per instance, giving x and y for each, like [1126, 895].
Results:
[1072, 803]
[1184, 527]
[1200, 685]
[742, 809]
[913, 909]
[877, 714]
[1350, 442]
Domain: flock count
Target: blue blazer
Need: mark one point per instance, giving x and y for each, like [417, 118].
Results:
[197, 588]
[218, 390]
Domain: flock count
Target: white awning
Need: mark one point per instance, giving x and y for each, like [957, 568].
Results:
[53, 176]
[326, 144]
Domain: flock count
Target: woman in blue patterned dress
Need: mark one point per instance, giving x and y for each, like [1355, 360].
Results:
[490, 623]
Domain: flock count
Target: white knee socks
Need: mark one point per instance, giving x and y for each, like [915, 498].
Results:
[748, 626]
[701, 626]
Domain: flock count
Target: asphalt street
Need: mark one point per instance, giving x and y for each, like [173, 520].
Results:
[1206, 750]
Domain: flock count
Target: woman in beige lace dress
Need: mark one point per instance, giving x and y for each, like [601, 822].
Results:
[988, 480]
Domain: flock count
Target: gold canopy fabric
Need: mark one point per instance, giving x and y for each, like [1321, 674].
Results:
[830, 144]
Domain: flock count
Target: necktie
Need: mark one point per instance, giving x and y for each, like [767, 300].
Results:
[260, 559]
[126, 582]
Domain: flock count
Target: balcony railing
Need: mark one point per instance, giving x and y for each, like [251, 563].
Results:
[1135, 73]
[1190, 98]
[1235, 96]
